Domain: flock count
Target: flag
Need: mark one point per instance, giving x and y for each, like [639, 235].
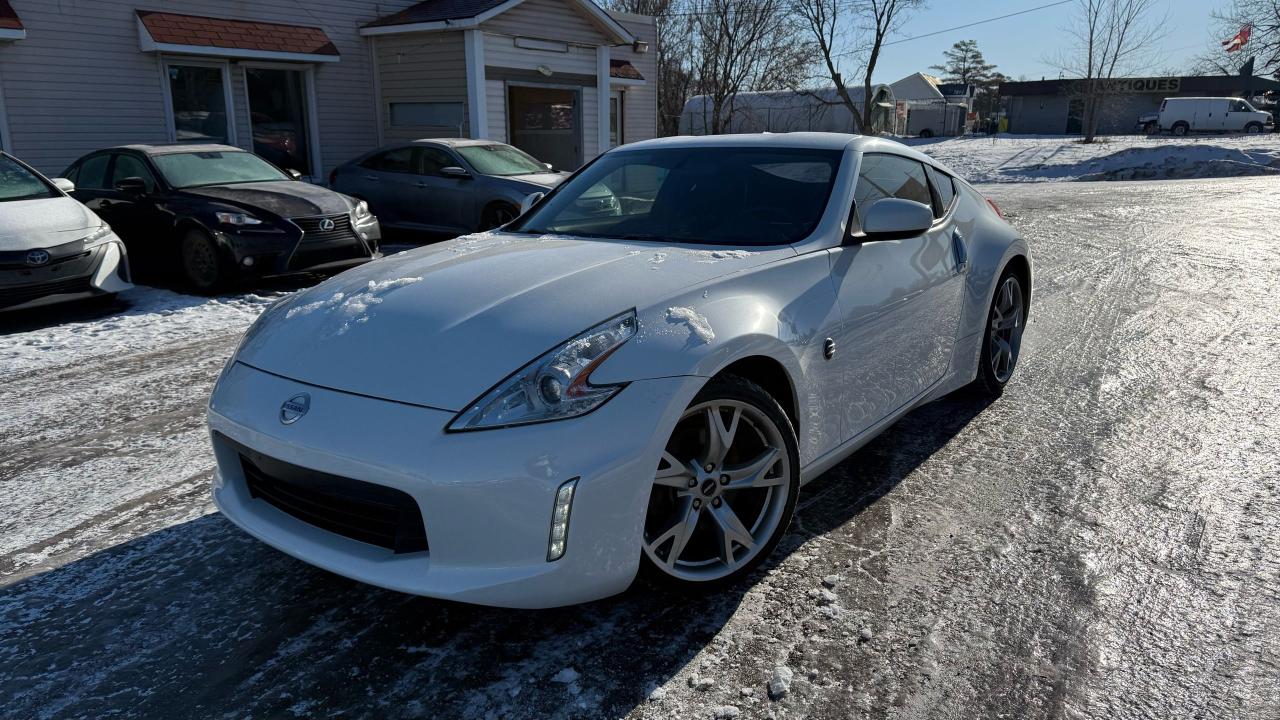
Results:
[1238, 41]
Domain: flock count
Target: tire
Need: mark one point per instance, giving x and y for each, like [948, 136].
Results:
[1151, 129]
[1180, 129]
[497, 215]
[707, 517]
[204, 265]
[1002, 344]
[1253, 128]
[926, 133]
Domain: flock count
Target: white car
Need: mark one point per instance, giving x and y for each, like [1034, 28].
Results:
[529, 417]
[52, 248]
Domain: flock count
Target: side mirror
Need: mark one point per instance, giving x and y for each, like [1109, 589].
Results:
[132, 186]
[454, 171]
[529, 201]
[894, 219]
[547, 166]
[64, 185]
[294, 174]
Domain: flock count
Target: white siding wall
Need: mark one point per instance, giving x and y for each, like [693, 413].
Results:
[422, 67]
[590, 125]
[501, 51]
[496, 106]
[549, 19]
[79, 83]
[640, 102]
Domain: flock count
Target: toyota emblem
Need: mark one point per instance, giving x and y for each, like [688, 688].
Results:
[326, 224]
[36, 258]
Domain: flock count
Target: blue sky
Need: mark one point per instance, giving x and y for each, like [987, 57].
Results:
[1019, 45]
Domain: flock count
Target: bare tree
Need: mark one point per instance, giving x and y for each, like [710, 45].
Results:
[881, 17]
[675, 40]
[824, 22]
[742, 45]
[1113, 38]
[1263, 45]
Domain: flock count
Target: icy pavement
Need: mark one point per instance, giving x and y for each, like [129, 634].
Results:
[1101, 542]
[1032, 158]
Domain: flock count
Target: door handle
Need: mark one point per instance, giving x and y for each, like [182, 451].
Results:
[105, 204]
[372, 178]
[423, 185]
[962, 254]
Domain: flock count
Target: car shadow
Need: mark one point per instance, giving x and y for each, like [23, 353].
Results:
[200, 619]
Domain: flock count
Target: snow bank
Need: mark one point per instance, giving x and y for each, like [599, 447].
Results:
[154, 317]
[1016, 158]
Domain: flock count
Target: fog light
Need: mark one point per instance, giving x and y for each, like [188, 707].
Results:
[248, 262]
[560, 520]
[364, 236]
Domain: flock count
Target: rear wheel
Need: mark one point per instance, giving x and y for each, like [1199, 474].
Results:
[1003, 341]
[204, 267]
[725, 489]
[926, 133]
[1180, 129]
[497, 215]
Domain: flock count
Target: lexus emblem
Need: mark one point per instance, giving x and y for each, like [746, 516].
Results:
[36, 258]
[294, 408]
[326, 225]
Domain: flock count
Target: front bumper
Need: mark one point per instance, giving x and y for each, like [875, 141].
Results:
[278, 252]
[74, 273]
[486, 497]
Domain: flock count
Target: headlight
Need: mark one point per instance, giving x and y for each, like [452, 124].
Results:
[237, 219]
[98, 234]
[555, 386]
[361, 210]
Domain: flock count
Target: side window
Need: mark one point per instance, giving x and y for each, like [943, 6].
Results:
[92, 173]
[889, 176]
[433, 160]
[944, 187]
[399, 160]
[1238, 106]
[128, 166]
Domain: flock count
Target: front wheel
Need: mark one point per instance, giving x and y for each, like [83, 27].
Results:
[725, 489]
[497, 215]
[203, 265]
[1002, 342]
[1181, 129]
[1253, 128]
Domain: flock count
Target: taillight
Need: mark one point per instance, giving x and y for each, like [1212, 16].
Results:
[994, 207]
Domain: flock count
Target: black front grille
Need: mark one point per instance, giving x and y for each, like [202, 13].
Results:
[11, 296]
[312, 233]
[367, 512]
[304, 258]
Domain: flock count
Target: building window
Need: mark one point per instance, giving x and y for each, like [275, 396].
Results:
[278, 112]
[616, 134]
[428, 114]
[198, 102]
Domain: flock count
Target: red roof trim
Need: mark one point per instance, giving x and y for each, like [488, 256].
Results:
[624, 70]
[174, 29]
[9, 19]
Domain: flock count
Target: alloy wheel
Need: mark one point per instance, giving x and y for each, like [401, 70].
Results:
[1005, 329]
[720, 491]
[201, 261]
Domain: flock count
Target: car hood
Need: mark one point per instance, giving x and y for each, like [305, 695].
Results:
[439, 325]
[546, 180]
[283, 198]
[43, 223]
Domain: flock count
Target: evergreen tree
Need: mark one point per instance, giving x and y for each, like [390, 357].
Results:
[964, 64]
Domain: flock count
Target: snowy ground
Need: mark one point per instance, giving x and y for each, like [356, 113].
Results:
[1023, 158]
[1100, 542]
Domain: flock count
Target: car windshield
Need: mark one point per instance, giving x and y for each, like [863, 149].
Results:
[194, 169]
[500, 160]
[19, 183]
[709, 195]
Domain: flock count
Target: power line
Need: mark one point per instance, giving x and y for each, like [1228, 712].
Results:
[962, 27]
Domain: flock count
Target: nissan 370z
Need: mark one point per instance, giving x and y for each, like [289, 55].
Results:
[531, 417]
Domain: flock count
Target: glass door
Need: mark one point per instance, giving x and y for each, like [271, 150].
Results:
[278, 116]
[198, 100]
[545, 123]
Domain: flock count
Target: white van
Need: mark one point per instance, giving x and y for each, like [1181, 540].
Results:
[1182, 115]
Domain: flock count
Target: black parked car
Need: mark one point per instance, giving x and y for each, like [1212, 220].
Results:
[216, 213]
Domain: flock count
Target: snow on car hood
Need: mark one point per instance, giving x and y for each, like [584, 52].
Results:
[43, 223]
[284, 198]
[547, 179]
[439, 325]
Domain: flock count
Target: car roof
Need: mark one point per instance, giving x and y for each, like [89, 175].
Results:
[455, 142]
[172, 148]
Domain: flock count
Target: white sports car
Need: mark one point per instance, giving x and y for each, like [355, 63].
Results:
[532, 416]
[52, 248]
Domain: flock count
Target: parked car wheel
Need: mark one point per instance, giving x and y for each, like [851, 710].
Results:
[1005, 324]
[926, 133]
[203, 264]
[1253, 128]
[497, 215]
[1151, 128]
[1180, 129]
[725, 489]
